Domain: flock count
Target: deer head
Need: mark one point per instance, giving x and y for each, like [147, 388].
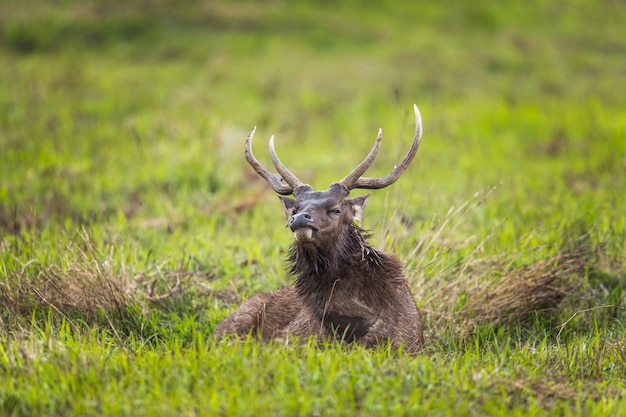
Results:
[318, 217]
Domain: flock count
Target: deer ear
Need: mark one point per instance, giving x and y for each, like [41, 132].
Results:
[358, 204]
[288, 204]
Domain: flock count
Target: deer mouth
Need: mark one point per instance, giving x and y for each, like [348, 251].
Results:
[304, 233]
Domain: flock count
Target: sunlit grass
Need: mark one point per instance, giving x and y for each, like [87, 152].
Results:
[494, 376]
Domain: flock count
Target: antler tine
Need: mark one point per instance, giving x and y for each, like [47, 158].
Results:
[272, 179]
[398, 170]
[360, 169]
[286, 175]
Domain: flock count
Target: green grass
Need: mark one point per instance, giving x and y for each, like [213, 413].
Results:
[102, 378]
[130, 223]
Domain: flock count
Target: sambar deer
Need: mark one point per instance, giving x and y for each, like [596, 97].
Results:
[343, 288]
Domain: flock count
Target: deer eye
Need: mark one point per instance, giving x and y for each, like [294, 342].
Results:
[294, 211]
[334, 211]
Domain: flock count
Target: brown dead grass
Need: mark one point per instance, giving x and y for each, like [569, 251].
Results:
[538, 287]
[494, 293]
[88, 289]
[458, 294]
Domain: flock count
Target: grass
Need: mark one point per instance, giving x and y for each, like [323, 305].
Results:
[130, 223]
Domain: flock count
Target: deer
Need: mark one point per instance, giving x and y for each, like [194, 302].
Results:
[343, 289]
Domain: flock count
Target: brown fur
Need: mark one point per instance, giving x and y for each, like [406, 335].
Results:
[343, 288]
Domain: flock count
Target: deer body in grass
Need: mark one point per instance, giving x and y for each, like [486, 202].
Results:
[343, 288]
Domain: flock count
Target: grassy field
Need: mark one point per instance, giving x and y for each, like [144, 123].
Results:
[130, 223]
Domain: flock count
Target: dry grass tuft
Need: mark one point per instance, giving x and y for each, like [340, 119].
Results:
[89, 287]
[521, 293]
[494, 293]
[460, 292]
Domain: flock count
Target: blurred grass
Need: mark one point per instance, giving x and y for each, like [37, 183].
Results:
[126, 206]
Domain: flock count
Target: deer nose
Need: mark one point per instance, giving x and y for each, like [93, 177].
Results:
[300, 220]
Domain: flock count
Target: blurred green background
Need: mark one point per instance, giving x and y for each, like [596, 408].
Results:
[105, 103]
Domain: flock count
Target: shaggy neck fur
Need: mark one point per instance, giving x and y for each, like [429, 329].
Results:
[317, 266]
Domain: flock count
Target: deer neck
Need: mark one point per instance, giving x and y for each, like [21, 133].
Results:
[349, 257]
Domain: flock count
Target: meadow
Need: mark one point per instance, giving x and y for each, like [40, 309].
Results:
[131, 224]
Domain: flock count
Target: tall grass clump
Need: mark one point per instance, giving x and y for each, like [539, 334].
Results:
[462, 292]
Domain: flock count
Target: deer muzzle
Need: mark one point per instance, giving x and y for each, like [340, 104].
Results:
[301, 224]
[301, 220]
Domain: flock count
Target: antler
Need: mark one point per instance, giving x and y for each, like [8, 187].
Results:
[287, 176]
[275, 180]
[360, 169]
[351, 181]
[354, 180]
